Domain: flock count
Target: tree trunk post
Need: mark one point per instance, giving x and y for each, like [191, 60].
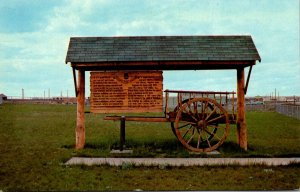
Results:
[241, 119]
[80, 125]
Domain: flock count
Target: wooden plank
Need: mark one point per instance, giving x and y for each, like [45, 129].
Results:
[139, 118]
[80, 124]
[241, 120]
[248, 78]
[161, 65]
[160, 119]
[122, 92]
[75, 81]
[199, 92]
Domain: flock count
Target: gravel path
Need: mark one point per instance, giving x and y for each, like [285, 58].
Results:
[181, 161]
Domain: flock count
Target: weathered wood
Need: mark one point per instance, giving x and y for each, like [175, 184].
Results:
[200, 92]
[203, 126]
[241, 120]
[141, 119]
[231, 117]
[75, 81]
[80, 125]
[160, 65]
[121, 92]
[167, 103]
[248, 78]
[122, 133]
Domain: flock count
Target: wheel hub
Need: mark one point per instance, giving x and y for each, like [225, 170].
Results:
[201, 124]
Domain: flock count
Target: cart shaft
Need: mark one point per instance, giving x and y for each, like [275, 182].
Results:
[140, 119]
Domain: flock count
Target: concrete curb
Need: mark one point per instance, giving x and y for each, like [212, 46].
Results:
[181, 161]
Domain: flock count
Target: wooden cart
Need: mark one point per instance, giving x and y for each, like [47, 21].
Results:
[200, 121]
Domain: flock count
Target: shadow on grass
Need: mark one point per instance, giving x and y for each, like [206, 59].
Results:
[161, 148]
[231, 149]
[167, 148]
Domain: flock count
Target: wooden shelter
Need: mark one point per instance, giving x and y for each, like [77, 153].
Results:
[152, 53]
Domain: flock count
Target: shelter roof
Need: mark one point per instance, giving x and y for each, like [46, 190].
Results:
[159, 50]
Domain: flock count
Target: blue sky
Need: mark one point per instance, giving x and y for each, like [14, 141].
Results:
[34, 37]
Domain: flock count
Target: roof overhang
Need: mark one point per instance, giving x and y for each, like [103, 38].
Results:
[162, 65]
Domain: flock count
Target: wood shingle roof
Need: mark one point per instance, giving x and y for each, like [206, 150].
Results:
[160, 49]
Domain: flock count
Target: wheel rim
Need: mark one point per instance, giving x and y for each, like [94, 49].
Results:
[175, 112]
[201, 128]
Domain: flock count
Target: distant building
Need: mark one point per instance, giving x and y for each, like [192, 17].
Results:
[254, 100]
[2, 98]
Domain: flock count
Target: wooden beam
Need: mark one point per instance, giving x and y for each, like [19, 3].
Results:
[80, 124]
[248, 78]
[75, 81]
[122, 133]
[161, 65]
[241, 120]
[140, 119]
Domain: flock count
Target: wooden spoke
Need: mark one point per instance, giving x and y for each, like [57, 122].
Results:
[213, 111]
[199, 138]
[189, 123]
[191, 138]
[213, 134]
[186, 132]
[204, 110]
[196, 109]
[215, 119]
[190, 110]
[208, 142]
[191, 115]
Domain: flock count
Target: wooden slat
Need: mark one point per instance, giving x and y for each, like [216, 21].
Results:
[140, 119]
[161, 119]
[199, 92]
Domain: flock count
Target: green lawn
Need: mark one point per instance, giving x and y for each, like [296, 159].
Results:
[35, 141]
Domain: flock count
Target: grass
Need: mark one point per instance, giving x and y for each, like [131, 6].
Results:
[35, 141]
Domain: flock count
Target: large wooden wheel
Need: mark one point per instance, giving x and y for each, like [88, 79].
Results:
[201, 124]
[176, 109]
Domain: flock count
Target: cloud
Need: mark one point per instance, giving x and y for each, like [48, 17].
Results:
[24, 16]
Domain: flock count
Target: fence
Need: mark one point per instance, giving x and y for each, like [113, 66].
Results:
[41, 100]
[260, 107]
[289, 110]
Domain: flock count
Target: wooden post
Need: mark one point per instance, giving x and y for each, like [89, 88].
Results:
[241, 120]
[122, 133]
[80, 127]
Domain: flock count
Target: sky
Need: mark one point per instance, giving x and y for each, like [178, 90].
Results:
[34, 37]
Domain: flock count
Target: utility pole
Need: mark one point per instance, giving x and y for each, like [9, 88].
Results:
[22, 93]
[272, 96]
[49, 93]
[294, 99]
